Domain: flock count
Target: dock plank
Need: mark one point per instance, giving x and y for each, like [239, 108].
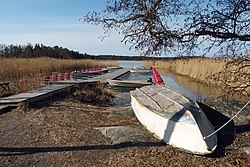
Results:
[34, 95]
[112, 75]
[75, 82]
[61, 86]
[101, 78]
[3, 107]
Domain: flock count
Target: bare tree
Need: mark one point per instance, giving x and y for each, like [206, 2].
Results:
[225, 24]
[156, 26]
[183, 27]
[235, 77]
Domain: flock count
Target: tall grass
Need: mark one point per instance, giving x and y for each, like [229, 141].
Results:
[210, 71]
[31, 70]
[199, 69]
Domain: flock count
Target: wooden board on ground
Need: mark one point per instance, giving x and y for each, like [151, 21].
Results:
[77, 82]
[34, 95]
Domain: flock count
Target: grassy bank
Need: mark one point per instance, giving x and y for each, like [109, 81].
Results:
[196, 68]
[32, 69]
[211, 71]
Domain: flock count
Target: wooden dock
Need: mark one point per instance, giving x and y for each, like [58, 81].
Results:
[58, 87]
[112, 75]
[34, 95]
[102, 78]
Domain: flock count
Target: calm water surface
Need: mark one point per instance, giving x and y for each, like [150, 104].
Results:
[130, 64]
[181, 84]
[190, 88]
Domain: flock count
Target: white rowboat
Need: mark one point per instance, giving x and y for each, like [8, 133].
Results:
[140, 70]
[173, 118]
[128, 83]
[89, 73]
[114, 68]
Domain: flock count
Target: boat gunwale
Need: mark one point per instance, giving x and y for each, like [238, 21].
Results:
[129, 81]
[180, 123]
[204, 127]
[162, 112]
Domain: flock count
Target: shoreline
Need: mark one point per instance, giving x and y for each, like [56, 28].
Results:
[216, 72]
[69, 133]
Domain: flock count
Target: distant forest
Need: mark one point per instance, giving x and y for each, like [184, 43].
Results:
[40, 50]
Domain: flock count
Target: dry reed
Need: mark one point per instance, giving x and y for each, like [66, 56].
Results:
[98, 95]
[199, 69]
[29, 71]
[210, 71]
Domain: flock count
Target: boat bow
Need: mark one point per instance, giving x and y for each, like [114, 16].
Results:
[175, 119]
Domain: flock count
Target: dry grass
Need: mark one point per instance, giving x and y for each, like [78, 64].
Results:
[64, 134]
[93, 93]
[210, 71]
[30, 71]
[196, 68]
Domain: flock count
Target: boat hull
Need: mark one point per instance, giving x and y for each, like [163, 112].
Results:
[140, 70]
[128, 83]
[90, 73]
[177, 130]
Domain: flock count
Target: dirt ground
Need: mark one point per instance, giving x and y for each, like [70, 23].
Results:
[63, 133]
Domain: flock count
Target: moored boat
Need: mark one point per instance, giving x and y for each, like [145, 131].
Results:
[140, 70]
[90, 72]
[114, 68]
[173, 118]
[128, 83]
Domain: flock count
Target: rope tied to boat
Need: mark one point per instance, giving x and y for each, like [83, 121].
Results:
[206, 137]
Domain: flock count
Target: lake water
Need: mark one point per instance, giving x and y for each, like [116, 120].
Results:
[190, 88]
[184, 85]
[130, 64]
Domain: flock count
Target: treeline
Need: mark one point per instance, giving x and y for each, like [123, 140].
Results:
[117, 57]
[39, 50]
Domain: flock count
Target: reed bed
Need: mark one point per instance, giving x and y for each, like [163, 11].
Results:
[211, 71]
[25, 74]
[199, 69]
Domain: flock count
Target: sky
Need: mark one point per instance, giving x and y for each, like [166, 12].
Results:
[56, 22]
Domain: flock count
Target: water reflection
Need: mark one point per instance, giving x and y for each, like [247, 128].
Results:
[130, 64]
[182, 84]
[189, 87]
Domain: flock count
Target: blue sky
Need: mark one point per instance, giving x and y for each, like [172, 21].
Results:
[56, 22]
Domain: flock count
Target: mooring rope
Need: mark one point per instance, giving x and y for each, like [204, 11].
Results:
[226, 122]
